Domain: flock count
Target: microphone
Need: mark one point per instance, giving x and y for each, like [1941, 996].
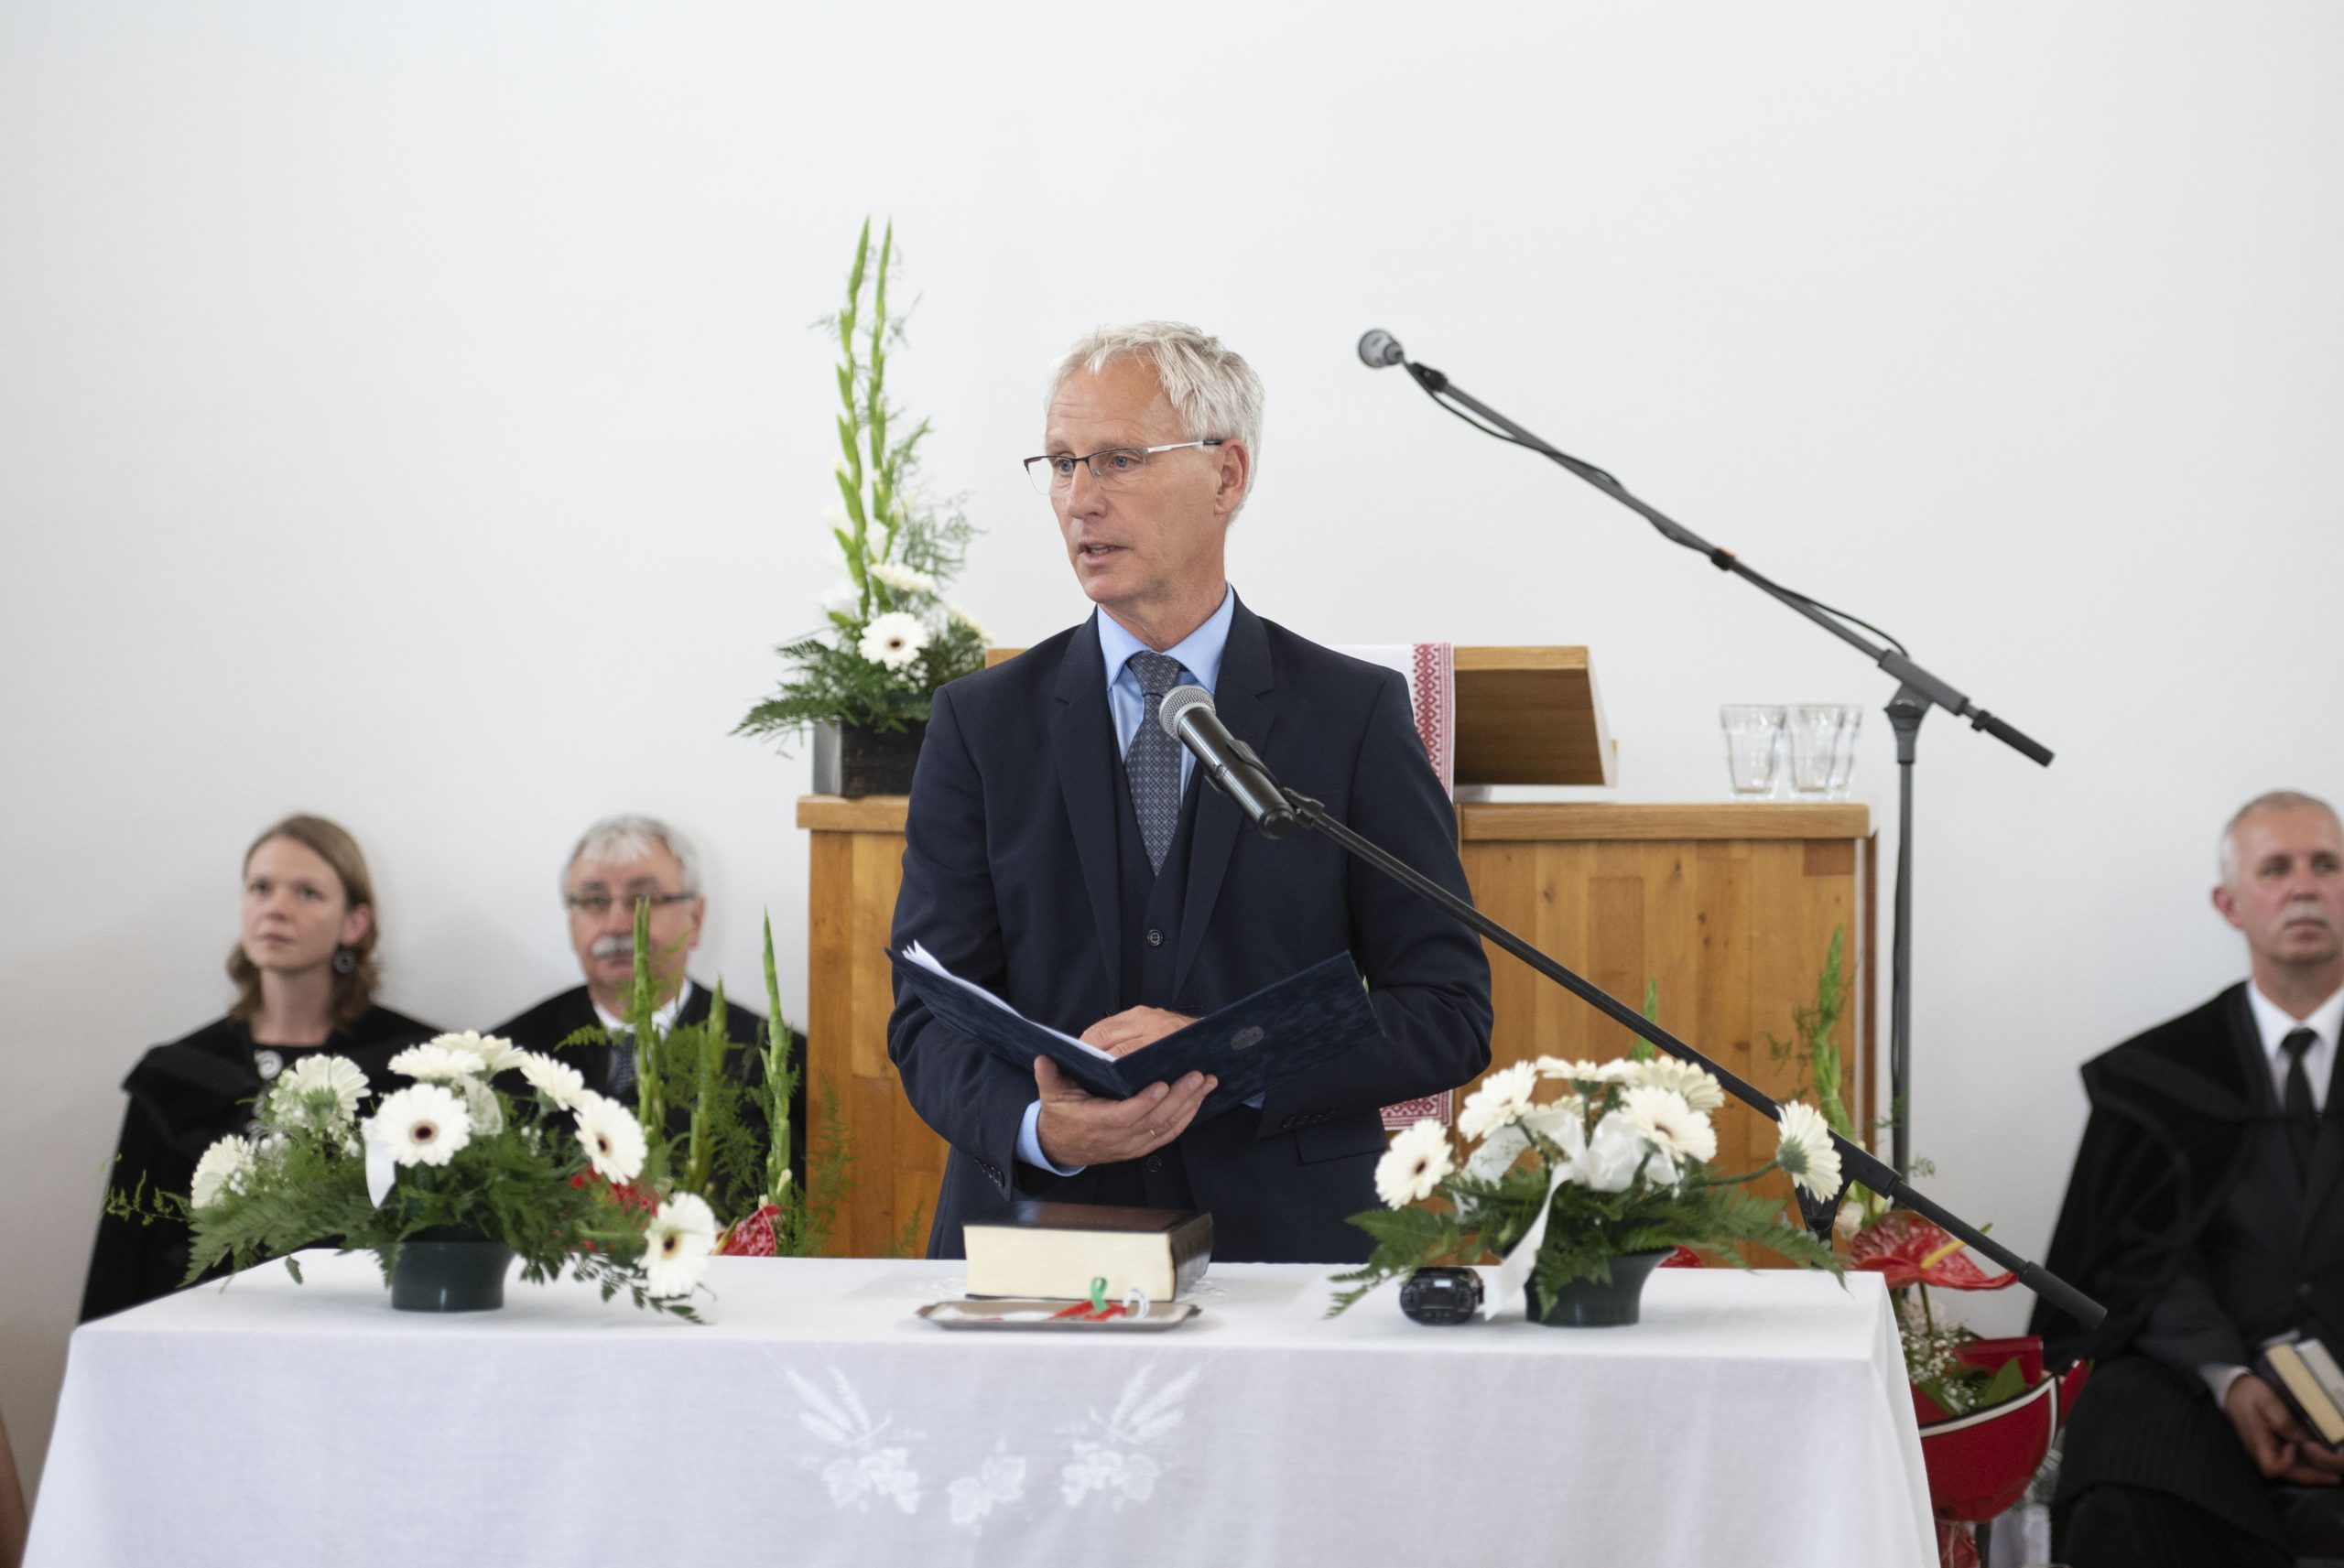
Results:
[1378, 347]
[1187, 716]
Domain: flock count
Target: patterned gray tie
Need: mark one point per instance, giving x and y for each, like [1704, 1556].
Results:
[1152, 763]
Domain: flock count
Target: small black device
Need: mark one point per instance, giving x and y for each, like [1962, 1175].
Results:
[1441, 1295]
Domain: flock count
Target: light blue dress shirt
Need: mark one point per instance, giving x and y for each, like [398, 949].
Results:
[1199, 655]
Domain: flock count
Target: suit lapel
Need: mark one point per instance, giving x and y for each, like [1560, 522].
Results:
[1243, 699]
[1082, 739]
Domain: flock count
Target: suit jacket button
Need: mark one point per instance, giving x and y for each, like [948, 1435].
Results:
[1156, 1161]
[1155, 938]
[2303, 1291]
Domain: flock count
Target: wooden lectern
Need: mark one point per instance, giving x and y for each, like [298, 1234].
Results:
[1727, 907]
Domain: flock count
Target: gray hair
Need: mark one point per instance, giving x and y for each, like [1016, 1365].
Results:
[2275, 800]
[630, 836]
[1209, 385]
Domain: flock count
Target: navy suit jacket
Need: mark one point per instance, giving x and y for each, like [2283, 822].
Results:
[1010, 880]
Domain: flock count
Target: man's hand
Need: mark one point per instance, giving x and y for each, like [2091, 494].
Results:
[1126, 1031]
[1079, 1128]
[2275, 1439]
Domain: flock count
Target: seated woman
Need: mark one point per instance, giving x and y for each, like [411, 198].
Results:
[305, 974]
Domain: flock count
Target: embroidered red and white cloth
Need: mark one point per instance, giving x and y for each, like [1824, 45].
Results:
[1430, 670]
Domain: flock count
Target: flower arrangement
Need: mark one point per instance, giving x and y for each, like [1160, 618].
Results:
[1615, 1161]
[892, 636]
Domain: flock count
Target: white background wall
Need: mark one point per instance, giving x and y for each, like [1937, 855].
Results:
[409, 414]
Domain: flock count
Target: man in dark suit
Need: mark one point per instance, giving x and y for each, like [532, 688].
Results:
[1062, 853]
[2203, 1212]
[619, 862]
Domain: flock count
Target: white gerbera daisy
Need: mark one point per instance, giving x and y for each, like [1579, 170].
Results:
[1675, 1128]
[435, 1063]
[1595, 1074]
[611, 1136]
[225, 1167]
[423, 1124]
[297, 1093]
[896, 640]
[901, 578]
[1696, 1084]
[557, 1081]
[1503, 1097]
[677, 1245]
[1415, 1165]
[963, 617]
[1806, 1150]
[494, 1052]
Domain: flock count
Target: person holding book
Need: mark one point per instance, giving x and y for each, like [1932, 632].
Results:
[305, 970]
[1063, 853]
[2203, 1212]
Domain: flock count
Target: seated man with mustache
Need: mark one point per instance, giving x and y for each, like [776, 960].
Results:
[2203, 1213]
[618, 862]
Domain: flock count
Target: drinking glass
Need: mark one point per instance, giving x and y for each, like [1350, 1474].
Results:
[1843, 753]
[1815, 739]
[1753, 733]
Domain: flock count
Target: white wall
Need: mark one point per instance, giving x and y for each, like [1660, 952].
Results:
[407, 414]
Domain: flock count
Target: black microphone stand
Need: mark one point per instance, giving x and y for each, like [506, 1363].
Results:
[1856, 1163]
[1916, 692]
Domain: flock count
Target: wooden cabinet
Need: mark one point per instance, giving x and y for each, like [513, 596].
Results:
[1730, 908]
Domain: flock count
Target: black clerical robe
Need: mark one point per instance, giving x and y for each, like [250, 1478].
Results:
[2191, 1219]
[184, 1097]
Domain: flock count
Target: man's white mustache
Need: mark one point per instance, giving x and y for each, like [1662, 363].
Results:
[2308, 910]
[613, 946]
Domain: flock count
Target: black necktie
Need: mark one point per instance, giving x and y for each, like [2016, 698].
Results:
[2301, 1117]
[1152, 763]
[622, 1063]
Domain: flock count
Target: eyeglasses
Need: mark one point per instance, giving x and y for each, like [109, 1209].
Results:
[1110, 465]
[598, 905]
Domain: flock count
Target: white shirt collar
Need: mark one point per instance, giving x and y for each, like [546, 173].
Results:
[665, 1018]
[2276, 1023]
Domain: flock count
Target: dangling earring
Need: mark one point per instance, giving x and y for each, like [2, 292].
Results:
[345, 960]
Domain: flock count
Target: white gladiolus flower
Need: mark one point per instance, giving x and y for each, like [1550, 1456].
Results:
[1497, 1154]
[557, 1081]
[1806, 1150]
[970, 621]
[1675, 1128]
[1616, 1152]
[1696, 1084]
[225, 1167]
[896, 640]
[1415, 1164]
[901, 578]
[842, 597]
[677, 1245]
[480, 1104]
[289, 1098]
[421, 1125]
[493, 1051]
[436, 1063]
[611, 1136]
[1503, 1097]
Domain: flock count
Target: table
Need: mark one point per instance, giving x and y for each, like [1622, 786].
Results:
[1749, 1417]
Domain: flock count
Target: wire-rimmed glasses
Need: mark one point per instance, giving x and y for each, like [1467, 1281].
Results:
[1054, 471]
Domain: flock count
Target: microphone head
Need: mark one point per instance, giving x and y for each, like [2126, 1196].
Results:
[1179, 702]
[1378, 347]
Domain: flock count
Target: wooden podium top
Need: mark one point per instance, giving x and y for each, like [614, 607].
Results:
[1525, 716]
[1513, 820]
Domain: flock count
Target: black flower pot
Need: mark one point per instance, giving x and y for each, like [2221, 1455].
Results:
[451, 1268]
[1601, 1303]
[878, 761]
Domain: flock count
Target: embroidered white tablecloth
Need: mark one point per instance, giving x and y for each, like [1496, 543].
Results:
[1749, 1418]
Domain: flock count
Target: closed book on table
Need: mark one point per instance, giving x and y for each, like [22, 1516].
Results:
[2283, 1366]
[2323, 1369]
[1053, 1250]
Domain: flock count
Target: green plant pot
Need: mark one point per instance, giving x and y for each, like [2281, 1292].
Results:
[1601, 1303]
[452, 1269]
[878, 761]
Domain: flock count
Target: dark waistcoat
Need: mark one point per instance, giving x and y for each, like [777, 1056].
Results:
[2274, 1250]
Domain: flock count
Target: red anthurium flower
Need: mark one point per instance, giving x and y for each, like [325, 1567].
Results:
[1910, 1249]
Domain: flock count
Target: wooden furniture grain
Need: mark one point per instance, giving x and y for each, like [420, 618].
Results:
[1728, 908]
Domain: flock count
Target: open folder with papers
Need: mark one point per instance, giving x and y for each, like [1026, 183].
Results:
[1251, 1046]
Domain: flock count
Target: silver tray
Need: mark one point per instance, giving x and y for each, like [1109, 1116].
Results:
[968, 1313]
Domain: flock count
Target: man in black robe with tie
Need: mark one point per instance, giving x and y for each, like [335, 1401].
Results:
[2204, 1213]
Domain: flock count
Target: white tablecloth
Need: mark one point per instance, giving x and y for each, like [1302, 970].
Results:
[1749, 1418]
